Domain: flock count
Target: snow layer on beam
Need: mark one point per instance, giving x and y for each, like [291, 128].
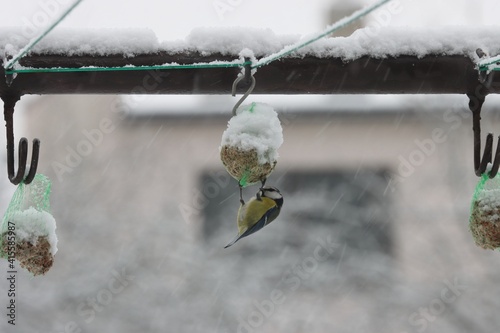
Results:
[231, 42]
[378, 43]
[395, 41]
[99, 42]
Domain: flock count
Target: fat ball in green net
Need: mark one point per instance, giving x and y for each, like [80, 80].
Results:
[484, 222]
[249, 146]
[27, 232]
[244, 165]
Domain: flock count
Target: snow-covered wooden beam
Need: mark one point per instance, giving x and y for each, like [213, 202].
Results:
[389, 61]
[434, 74]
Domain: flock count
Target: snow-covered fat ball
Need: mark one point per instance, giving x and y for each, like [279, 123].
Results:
[249, 147]
[30, 236]
[484, 222]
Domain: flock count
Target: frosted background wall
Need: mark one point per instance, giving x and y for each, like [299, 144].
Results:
[127, 210]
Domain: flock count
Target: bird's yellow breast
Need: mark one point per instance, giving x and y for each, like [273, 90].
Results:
[251, 212]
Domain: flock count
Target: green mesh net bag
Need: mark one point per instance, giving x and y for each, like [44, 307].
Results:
[484, 222]
[27, 233]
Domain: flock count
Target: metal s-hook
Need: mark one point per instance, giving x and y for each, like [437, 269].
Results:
[481, 164]
[15, 178]
[248, 77]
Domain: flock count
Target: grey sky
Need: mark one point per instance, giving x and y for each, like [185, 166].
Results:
[175, 19]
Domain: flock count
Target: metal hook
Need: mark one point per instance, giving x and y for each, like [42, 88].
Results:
[15, 178]
[476, 101]
[248, 76]
[480, 165]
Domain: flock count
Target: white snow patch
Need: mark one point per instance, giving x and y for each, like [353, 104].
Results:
[231, 41]
[83, 41]
[384, 42]
[32, 223]
[394, 41]
[255, 126]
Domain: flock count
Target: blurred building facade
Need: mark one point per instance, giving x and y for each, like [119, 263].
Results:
[373, 233]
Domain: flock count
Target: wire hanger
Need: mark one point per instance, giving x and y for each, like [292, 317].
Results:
[15, 178]
[249, 79]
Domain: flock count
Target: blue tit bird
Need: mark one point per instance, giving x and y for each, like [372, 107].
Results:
[258, 212]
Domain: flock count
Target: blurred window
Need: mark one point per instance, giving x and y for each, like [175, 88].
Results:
[354, 206]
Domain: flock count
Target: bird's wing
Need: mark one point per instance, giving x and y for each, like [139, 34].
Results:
[244, 229]
[253, 213]
[256, 227]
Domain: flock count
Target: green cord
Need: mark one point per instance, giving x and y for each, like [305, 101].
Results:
[131, 68]
[244, 178]
[336, 26]
[263, 61]
[33, 42]
[252, 107]
[489, 61]
[491, 67]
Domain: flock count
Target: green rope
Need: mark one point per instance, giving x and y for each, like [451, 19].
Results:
[332, 28]
[489, 61]
[489, 64]
[263, 61]
[494, 68]
[130, 68]
[244, 178]
[34, 41]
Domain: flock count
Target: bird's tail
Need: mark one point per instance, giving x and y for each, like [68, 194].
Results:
[233, 241]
